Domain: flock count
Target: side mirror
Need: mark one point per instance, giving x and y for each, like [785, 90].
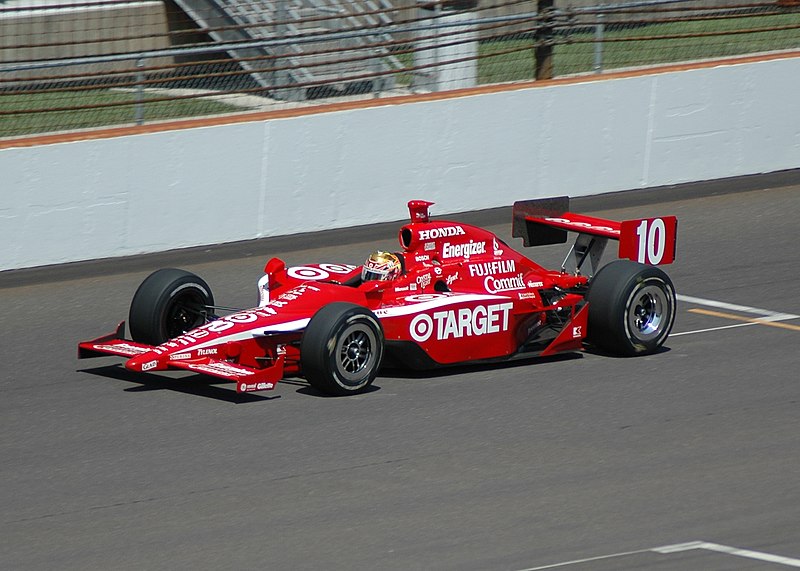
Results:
[275, 266]
[275, 271]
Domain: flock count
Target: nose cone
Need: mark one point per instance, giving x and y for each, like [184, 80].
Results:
[149, 361]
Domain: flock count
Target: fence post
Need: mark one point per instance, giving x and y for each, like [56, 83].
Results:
[139, 98]
[543, 52]
[282, 77]
[378, 84]
[599, 30]
[451, 36]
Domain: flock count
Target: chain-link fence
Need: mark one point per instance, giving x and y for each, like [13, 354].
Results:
[89, 64]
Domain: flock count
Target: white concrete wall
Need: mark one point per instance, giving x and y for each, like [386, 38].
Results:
[147, 193]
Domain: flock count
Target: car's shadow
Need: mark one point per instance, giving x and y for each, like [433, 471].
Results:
[451, 370]
[187, 383]
[601, 353]
[221, 390]
[201, 385]
[308, 390]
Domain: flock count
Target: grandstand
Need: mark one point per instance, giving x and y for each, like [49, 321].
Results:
[45, 30]
[79, 64]
[307, 38]
[289, 47]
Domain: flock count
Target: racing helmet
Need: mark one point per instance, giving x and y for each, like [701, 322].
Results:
[381, 266]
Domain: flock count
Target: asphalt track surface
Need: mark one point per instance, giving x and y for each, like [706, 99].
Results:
[581, 463]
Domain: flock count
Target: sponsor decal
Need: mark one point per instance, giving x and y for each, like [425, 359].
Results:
[459, 323]
[180, 356]
[125, 348]
[423, 297]
[244, 317]
[577, 332]
[422, 258]
[225, 323]
[430, 246]
[207, 351]
[320, 272]
[451, 278]
[247, 387]
[497, 285]
[496, 247]
[471, 248]
[221, 368]
[583, 225]
[528, 295]
[149, 365]
[194, 285]
[444, 232]
[402, 289]
[484, 269]
[535, 284]
[424, 280]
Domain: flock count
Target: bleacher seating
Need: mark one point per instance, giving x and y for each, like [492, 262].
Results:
[310, 46]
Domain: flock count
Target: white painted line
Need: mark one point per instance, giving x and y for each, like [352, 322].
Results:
[680, 547]
[764, 314]
[734, 307]
[780, 317]
[590, 559]
[711, 329]
[747, 553]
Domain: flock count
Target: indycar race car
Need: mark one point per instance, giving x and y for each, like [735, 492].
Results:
[457, 294]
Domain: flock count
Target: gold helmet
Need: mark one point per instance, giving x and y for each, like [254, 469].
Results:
[381, 266]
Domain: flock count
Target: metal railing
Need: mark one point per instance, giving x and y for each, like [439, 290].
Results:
[122, 73]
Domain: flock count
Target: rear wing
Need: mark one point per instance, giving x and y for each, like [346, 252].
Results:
[548, 221]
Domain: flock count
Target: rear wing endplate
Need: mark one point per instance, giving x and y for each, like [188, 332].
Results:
[548, 221]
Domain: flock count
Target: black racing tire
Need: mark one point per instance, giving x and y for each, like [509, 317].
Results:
[342, 349]
[168, 303]
[631, 308]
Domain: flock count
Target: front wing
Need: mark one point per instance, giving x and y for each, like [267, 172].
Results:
[247, 379]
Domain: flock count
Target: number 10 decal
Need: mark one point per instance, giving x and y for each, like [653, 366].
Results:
[648, 241]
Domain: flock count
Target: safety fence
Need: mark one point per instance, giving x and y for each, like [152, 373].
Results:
[90, 64]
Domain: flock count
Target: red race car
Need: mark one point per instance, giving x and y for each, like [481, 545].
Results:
[455, 293]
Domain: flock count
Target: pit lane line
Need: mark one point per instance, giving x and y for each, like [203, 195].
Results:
[765, 316]
[680, 547]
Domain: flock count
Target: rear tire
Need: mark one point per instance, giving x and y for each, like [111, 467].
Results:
[631, 308]
[168, 303]
[341, 349]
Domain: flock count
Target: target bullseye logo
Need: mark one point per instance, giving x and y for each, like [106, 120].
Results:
[421, 327]
[317, 273]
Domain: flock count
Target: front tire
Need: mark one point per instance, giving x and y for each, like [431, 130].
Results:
[631, 308]
[341, 349]
[168, 303]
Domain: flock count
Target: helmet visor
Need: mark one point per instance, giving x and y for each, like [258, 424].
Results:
[368, 274]
[380, 266]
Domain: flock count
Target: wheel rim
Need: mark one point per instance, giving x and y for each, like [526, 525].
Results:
[186, 312]
[355, 355]
[648, 313]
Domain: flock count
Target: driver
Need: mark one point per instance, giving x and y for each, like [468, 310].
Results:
[381, 266]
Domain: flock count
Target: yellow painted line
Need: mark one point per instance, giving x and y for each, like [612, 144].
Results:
[746, 319]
